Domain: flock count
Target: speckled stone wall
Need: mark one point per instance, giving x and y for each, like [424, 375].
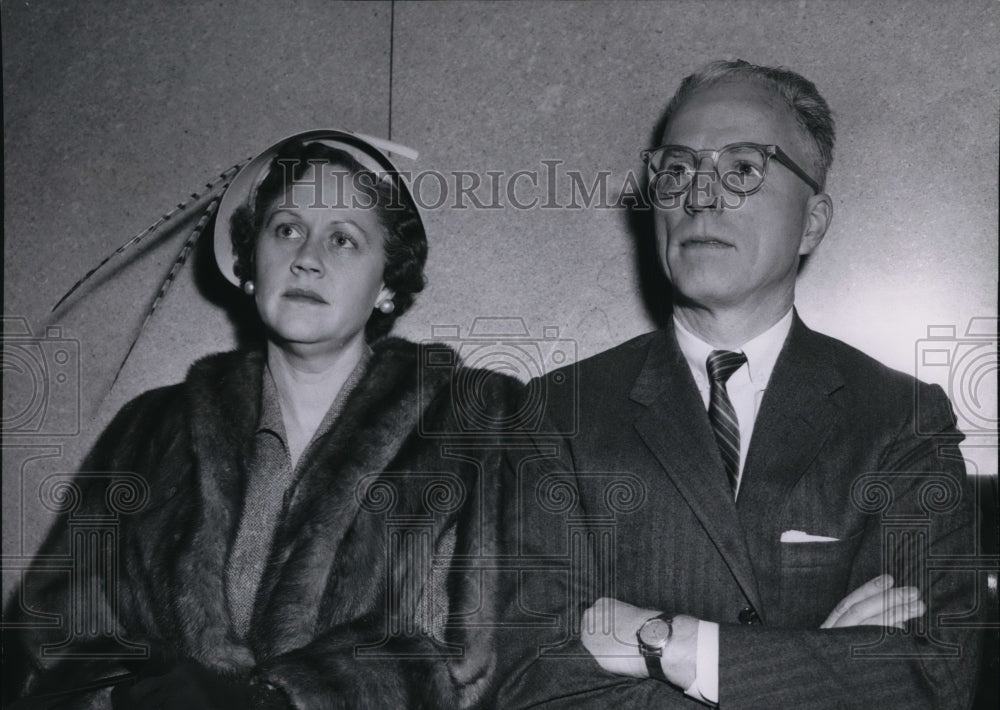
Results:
[115, 111]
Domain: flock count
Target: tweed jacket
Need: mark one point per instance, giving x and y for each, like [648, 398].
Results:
[350, 611]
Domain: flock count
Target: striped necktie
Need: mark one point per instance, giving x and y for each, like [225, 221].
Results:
[721, 365]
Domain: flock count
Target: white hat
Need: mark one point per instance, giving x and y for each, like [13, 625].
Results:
[368, 151]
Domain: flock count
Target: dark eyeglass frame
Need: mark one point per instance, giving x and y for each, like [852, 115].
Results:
[769, 151]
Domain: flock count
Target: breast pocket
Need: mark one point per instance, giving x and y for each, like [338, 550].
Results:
[814, 577]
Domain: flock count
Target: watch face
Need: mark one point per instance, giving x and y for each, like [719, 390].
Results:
[655, 633]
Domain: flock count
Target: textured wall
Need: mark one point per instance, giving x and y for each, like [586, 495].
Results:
[114, 111]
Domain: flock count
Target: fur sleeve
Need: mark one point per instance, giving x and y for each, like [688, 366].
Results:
[332, 673]
[26, 671]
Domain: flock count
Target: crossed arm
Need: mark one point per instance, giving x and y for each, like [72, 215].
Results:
[910, 643]
[609, 628]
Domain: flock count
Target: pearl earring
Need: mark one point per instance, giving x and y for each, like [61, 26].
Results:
[387, 307]
[248, 287]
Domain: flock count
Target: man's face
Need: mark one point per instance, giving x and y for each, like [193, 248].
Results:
[746, 253]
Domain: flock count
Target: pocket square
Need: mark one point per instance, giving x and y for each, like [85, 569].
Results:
[799, 536]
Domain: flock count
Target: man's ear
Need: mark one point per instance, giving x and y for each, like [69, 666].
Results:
[819, 214]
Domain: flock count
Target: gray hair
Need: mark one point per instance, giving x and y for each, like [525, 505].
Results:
[809, 108]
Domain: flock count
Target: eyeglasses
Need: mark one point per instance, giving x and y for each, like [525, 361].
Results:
[740, 167]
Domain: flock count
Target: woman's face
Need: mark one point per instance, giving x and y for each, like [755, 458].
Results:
[319, 262]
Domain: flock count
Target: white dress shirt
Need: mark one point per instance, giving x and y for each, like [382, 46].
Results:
[746, 386]
[746, 389]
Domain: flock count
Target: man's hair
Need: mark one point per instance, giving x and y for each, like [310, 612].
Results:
[809, 108]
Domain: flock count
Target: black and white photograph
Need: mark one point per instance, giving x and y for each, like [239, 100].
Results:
[540, 354]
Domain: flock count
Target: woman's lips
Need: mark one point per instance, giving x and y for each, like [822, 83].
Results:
[304, 294]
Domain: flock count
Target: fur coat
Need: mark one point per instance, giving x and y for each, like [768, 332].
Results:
[350, 609]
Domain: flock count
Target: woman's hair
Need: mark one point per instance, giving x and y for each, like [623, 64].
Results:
[405, 244]
[800, 95]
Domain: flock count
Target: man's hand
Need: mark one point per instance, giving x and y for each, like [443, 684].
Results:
[608, 630]
[876, 603]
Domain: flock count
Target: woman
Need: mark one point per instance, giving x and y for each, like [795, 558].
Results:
[299, 511]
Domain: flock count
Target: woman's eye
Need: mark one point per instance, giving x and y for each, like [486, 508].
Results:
[285, 231]
[342, 240]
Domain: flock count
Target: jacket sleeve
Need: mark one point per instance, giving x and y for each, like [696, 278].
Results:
[542, 660]
[922, 528]
[85, 642]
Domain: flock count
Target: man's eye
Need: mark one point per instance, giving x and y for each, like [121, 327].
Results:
[677, 169]
[747, 168]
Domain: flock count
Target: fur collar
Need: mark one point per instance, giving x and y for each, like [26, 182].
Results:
[222, 399]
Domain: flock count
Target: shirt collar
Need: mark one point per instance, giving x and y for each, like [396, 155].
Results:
[270, 411]
[761, 352]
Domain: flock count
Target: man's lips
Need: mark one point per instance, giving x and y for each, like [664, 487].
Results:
[707, 241]
[304, 294]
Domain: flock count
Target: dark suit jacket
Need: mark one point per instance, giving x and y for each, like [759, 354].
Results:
[638, 503]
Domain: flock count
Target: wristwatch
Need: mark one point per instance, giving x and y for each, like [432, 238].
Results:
[653, 636]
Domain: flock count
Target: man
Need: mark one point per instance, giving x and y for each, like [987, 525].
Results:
[779, 548]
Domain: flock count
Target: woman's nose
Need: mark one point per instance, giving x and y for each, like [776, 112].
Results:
[307, 258]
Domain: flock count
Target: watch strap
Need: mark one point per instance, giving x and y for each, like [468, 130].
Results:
[654, 667]
[653, 656]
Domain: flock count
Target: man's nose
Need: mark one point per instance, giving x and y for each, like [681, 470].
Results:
[704, 192]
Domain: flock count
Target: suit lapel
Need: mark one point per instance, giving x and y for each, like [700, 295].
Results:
[794, 420]
[674, 425]
[796, 417]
